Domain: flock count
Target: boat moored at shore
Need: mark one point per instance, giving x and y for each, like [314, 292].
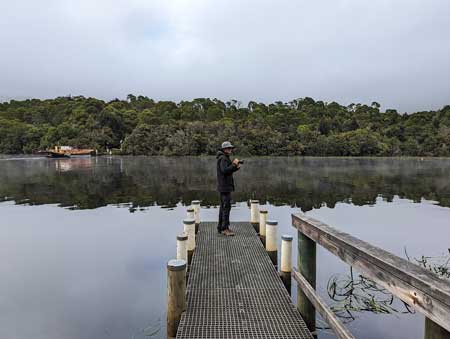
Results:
[68, 152]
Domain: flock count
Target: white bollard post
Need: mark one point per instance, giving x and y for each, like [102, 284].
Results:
[189, 229]
[196, 205]
[254, 214]
[271, 240]
[262, 226]
[190, 213]
[176, 295]
[286, 261]
[182, 247]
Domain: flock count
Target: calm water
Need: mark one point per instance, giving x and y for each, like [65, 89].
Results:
[84, 242]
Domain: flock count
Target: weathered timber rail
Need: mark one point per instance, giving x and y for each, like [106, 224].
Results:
[234, 290]
[418, 287]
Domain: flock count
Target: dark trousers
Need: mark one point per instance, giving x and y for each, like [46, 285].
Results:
[224, 211]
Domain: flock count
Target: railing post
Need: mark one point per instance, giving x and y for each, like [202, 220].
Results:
[262, 226]
[189, 229]
[182, 247]
[271, 241]
[286, 261]
[434, 331]
[176, 294]
[196, 205]
[254, 214]
[307, 267]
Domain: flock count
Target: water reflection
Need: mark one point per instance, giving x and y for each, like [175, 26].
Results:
[308, 183]
[97, 272]
[65, 165]
[82, 274]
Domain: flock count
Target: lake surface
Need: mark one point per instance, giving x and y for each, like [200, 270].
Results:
[84, 242]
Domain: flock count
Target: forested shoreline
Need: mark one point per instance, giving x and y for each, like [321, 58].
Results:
[142, 126]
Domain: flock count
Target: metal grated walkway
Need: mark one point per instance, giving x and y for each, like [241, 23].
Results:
[234, 290]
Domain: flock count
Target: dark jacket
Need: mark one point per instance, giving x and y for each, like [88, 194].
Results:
[225, 170]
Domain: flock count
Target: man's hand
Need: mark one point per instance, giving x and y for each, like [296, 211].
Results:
[236, 163]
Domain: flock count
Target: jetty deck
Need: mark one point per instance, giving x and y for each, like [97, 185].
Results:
[234, 290]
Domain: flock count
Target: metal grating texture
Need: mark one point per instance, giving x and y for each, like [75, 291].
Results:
[234, 290]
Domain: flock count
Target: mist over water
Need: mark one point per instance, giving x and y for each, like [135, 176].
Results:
[307, 183]
[85, 241]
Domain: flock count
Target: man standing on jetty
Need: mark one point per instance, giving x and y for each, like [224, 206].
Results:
[225, 185]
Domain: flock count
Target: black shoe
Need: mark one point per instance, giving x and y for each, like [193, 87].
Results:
[228, 233]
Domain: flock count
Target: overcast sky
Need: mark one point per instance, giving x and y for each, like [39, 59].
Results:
[395, 52]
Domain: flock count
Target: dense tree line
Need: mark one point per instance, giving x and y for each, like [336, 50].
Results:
[139, 125]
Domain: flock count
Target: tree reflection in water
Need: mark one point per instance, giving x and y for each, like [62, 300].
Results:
[139, 182]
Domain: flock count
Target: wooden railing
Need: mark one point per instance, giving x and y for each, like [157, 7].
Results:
[419, 288]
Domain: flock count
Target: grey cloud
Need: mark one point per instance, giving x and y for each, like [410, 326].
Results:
[393, 52]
